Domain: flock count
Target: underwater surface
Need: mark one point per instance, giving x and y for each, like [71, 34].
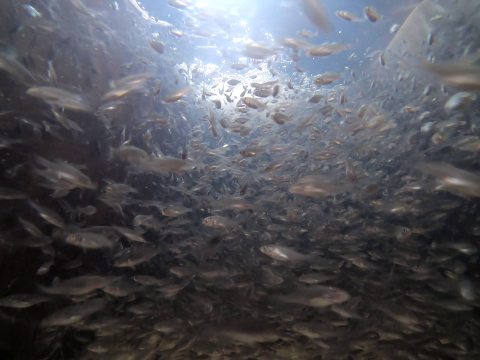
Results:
[236, 180]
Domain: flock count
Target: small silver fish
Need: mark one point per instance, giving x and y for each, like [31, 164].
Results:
[283, 253]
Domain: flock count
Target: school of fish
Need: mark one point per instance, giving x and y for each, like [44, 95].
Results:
[259, 208]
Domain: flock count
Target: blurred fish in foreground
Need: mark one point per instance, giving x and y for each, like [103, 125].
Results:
[463, 74]
[453, 179]
[314, 11]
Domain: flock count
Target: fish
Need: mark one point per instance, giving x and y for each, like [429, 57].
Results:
[346, 312]
[326, 49]
[164, 164]
[161, 23]
[80, 285]
[350, 171]
[306, 33]
[345, 15]
[248, 333]
[239, 66]
[31, 228]
[371, 14]
[218, 222]
[175, 210]
[121, 88]
[61, 98]
[135, 255]
[314, 332]
[256, 50]
[244, 189]
[233, 82]
[430, 38]
[157, 90]
[253, 103]
[295, 44]
[9, 64]
[251, 152]
[394, 29]
[62, 176]
[402, 233]
[48, 215]
[316, 186]
[316, 14]
[156, 45]
[276, 90]
[376, 121]
[11, 194]
[263, 93]
[460, 100]
[130, 154]
[327, 79]
[52, 75]
[451, 178]
[22, 301]
[87, 210]
[315, 99]
[88, 240]
[232, 203]
[316, 278]
[276, 164]
[213, 123]
[316, 296]
[149, 280]
[122, 288]
[462, 73]
[282, 253]
[176, 95]
[382, 59]
[439, 137]
[44, 269]
[299, 69]
[168, 326]
[280, 118]
[177, 32]
[72, 314]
